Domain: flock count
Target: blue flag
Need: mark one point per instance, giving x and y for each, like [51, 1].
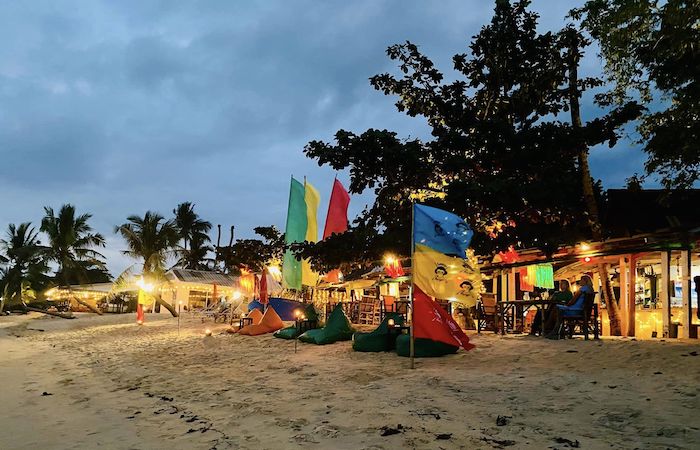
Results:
[441, 230]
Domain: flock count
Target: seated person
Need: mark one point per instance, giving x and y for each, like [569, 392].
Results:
[562, 296]
[573, 307]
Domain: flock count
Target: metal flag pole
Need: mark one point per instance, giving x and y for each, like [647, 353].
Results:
[412, 348]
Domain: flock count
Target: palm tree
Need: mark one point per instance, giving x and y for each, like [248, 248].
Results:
[189, 225]
[196, 257]
[70, 246]
[25, 269]
[153, 240]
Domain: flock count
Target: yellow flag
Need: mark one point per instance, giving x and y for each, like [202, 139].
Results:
[312, 199]
[144, 298]
[445, 277]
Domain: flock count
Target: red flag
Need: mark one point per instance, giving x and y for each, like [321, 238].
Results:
[430, 321]
[337, 217]
[336, 220]
[264, 299]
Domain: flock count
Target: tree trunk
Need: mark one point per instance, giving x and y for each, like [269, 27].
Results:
[49, 313]
[166, 305]
[587, 182]
[87, 305]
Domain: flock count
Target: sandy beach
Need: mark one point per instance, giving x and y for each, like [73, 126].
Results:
[106, 382]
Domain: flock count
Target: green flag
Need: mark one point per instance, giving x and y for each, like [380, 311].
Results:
[295, 232]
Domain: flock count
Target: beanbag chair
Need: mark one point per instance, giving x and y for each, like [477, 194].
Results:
[270, 322]
[292, 332]
[337, 329]
[377, 340]
[424, 348]
[256, 315]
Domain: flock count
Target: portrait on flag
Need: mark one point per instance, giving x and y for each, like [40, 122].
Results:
[446, 277]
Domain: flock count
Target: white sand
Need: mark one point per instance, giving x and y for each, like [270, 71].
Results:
[119, 386]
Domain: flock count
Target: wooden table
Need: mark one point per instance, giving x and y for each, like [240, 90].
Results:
[519, 307]
[245, 321]
[303, 325]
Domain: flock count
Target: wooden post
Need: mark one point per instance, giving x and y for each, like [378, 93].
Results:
[596, 286]
[511, 284]
[687, 318]
[665, 294]
[504, 285]
[632, 302]
[624, 293]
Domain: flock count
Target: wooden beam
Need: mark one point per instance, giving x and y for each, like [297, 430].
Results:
[624, 293]
[665, 292]
[511, 284]
[632, 300]
[687, 316]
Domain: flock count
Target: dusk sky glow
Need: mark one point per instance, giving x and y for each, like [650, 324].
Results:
[123, 107]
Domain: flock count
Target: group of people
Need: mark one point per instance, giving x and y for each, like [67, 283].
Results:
[565, 303]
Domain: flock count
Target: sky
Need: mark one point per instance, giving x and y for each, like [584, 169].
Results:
[123, 107]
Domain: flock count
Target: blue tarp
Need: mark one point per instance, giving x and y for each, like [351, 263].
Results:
[283, 307]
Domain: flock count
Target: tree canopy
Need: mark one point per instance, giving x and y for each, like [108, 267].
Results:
[503, 154]
[651, 50]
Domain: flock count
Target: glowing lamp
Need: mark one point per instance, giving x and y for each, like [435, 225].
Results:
[390, 322]
[303, 317]
[587, 259]
[389, 259]
[236, 295]
[207, 332]
[297, 313]
[585, 247]
[274, 270]
[143, 285]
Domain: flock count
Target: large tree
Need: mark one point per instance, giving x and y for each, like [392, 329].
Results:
[153, 240]
[71, 246]
[651, 51]
[26, 271]
[509, 151]
[254, 254]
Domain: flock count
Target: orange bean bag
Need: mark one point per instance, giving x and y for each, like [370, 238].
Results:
[270, 322]
[255, 314]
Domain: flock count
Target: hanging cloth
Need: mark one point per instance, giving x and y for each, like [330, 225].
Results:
[544, 276]
[526, 284]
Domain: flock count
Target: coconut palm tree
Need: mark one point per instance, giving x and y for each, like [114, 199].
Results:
[196, 257]
[25, 270]
[71, 247]
[189, 225]
[153, 240]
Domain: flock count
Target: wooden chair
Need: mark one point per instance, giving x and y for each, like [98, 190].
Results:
[387, 305]
[370, 311]
[330, 306]
[401, 307]
[581, 323]
[487, 314]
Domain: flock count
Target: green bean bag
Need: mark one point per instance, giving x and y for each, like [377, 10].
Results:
[424, 348]
[337, 329]
[377, 340]
[292, 332]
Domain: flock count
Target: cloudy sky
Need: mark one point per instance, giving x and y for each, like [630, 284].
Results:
[121, 107]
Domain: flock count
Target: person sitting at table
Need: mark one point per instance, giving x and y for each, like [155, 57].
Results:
[562, 296]
[573, 307]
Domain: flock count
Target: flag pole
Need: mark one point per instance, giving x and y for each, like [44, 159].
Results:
[412, 348]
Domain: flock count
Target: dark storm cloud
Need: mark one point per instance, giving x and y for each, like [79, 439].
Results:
[120, 107]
